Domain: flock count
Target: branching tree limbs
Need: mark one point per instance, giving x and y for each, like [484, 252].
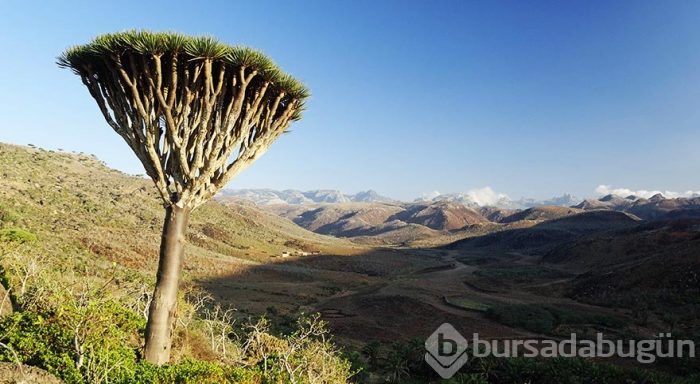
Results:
[195, 112]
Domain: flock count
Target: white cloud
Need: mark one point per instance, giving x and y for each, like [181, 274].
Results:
[479, 196]
[486, 196]
[430, 195]
[603, 190]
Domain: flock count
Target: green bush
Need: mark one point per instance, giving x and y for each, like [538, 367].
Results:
[192, 371]
[91, 339]
[46, 342]
[39, 342]
[83, 339]
[16, 235]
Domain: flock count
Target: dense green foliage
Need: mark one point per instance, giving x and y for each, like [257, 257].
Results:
[43, 341]
[38, 342]
[48, 341]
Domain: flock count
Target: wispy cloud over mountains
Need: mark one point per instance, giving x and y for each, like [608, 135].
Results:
[475, 197]
[603, 190]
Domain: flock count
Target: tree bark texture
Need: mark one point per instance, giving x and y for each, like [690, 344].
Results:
[163, 308]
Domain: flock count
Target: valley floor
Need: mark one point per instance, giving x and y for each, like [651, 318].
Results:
[399, 294]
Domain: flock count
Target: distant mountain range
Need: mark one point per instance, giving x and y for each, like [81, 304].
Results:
[295, 197]
[371, 215]
[656, 207]
[503, 201]
[328, 196]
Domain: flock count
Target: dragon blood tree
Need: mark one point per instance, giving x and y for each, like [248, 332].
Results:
[196, 112]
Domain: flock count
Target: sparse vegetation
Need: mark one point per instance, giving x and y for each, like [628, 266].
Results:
[16, 235]
[7, 216]
[91, 333]
[546, 319]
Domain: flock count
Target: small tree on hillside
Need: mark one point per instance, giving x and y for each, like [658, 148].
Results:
[196, 112]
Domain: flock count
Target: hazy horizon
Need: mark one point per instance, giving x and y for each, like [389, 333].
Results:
[532, 100]
[487, 196]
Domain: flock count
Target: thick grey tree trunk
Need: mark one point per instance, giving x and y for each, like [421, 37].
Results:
[163, 309]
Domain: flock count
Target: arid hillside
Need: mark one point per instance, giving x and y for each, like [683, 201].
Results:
[89, 217]
[440, 222]
[74, 199]
[540, 214]
[653, 266]
[383, 223]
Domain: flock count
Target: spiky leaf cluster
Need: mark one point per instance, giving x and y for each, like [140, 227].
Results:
[187, 47]
[194, 110]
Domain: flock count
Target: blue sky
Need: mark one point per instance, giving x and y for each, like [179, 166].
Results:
[530, 98]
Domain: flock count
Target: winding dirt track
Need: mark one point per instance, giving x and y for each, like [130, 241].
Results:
[423, 293]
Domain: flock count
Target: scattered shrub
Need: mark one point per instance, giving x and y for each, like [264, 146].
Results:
[17, 235]
[304, 356]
